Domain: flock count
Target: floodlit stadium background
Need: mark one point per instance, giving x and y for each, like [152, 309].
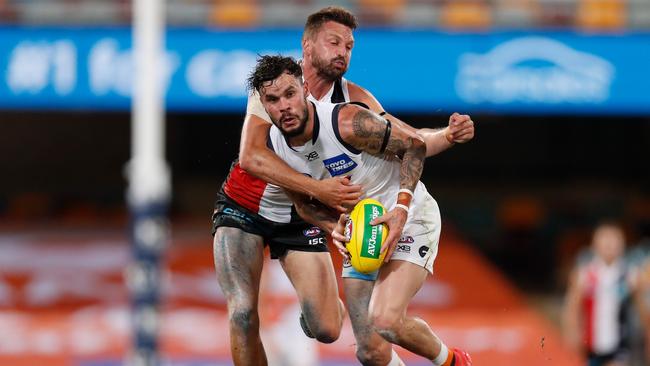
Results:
[557, 89]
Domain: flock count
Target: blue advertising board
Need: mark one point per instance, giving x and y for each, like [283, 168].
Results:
[414, 71]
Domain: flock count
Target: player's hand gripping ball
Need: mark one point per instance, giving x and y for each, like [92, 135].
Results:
[366, 240]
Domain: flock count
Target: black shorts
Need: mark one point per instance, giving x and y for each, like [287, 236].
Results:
[280, 237]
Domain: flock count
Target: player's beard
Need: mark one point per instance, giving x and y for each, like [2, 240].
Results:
[327, 69]
[300, 128]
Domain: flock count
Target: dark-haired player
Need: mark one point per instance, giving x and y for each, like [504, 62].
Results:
[251, 212]
[387, 161]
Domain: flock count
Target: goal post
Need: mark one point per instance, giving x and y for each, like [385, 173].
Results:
[149, 182]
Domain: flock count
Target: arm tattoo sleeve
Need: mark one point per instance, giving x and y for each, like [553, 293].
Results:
[318, 214]
[412, 165]
[313, 211]
[369, 133]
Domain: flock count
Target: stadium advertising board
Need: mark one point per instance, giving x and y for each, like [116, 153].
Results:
[409, 71]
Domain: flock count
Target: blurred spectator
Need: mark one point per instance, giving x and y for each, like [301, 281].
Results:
[597, 309]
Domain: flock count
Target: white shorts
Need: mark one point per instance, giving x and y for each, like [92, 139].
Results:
[419, 241]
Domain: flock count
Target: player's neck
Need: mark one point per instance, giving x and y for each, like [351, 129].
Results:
[318, 86]
[307, 134]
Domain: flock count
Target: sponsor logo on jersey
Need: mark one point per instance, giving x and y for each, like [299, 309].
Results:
[423, 251]
[312, 156]
[340, 164]
[372, 238]
[311, 232]
[404, 248]
[406, 239]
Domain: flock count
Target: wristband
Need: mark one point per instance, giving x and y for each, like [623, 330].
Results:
[407, 191]
[386, 136]
[403, 207]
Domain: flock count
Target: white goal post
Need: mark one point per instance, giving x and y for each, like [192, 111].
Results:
[149, 188]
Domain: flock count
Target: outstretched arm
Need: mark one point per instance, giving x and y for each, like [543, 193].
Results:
[367, 131]
[459, 130]
[257, 159]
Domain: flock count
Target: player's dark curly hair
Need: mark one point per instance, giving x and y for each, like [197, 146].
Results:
[269, 68]
[331, 13]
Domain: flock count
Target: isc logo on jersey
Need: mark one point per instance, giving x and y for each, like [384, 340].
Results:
[339, 164]
[366, 240]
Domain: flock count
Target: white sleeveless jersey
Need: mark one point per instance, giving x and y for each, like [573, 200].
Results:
[327, 155]
[265, 199]
[605, 291]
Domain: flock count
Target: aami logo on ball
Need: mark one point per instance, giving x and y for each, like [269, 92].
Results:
[339, 164]
[372, 238]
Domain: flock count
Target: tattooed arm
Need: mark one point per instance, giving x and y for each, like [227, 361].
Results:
[313, 211]
[367, 132]
[371, 133]
[460, 128]
[316, 213]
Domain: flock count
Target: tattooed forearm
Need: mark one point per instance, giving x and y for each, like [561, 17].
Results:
[368, 135]
[369, 130]
[412, 151]
[397, 146]
[314, 212]
[412, 165]
[318, 214]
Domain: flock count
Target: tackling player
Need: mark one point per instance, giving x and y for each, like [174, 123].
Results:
[244, 200]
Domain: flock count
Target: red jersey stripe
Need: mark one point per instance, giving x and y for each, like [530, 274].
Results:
[244, 188]
[588, 305]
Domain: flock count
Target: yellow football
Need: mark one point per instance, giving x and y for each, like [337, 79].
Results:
[366, 240]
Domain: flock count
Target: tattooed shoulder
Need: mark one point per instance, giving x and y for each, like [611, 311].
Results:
[369, 130]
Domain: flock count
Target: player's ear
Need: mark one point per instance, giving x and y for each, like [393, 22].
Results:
[306, 46]
[305, 88]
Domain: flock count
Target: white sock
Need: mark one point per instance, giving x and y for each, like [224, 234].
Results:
[395, 360]
[442, 356]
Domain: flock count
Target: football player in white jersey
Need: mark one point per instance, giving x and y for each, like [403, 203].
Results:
[327, 45]
[388, 161]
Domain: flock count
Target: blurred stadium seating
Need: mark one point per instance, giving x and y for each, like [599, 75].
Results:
[453, 14]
